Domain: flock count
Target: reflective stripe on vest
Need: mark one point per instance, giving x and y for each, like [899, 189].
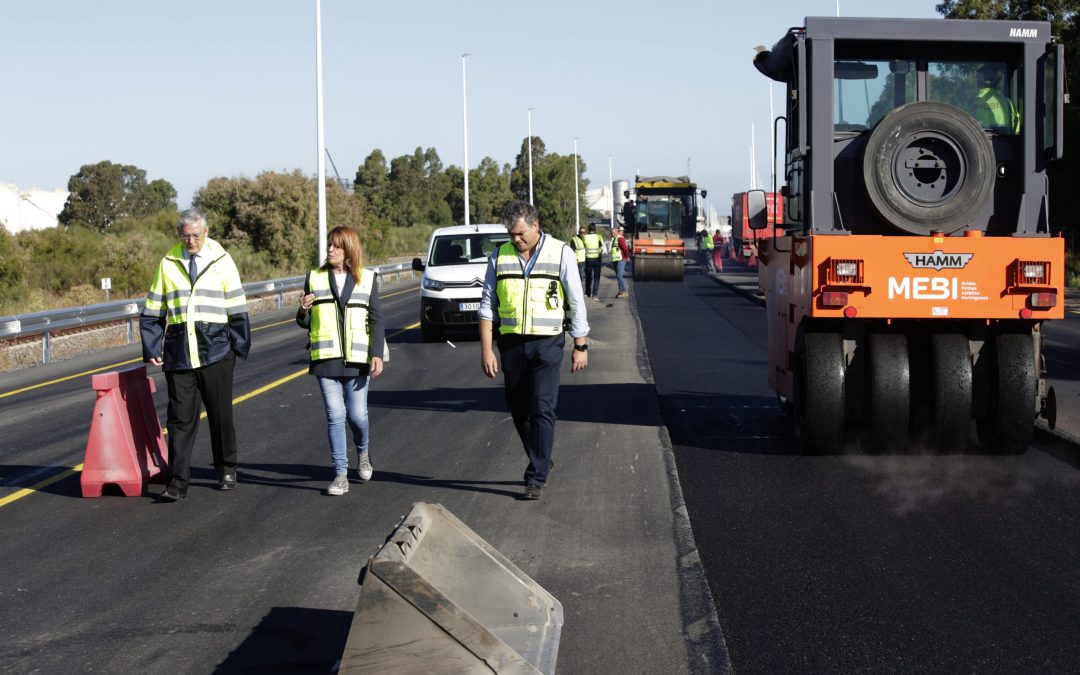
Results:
[593, 244]
[533, 305]
[579, 248]
[324, 332]
[216, 294]
[616, 252]
[995, 110]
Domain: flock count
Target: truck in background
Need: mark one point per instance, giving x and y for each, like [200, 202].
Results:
[743, 237]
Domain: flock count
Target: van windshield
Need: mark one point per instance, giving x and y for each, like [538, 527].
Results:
[461, 249]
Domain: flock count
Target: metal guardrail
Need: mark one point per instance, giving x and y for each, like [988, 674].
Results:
[51, 321]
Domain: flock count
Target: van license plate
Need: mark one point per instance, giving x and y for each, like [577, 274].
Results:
[469, 306]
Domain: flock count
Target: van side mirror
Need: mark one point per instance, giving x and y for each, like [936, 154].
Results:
[704, 194]
[756, 213]
[417, 265]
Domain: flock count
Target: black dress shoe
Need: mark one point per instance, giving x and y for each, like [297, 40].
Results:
[172, 495]
[227, 482]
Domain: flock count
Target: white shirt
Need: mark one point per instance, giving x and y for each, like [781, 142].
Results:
[339, 281]
[198, 260]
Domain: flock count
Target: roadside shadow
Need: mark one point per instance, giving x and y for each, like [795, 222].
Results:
[620, 403]
[1058, 447]
[293, 476]
[447, 483]
[746, 424]
[291, 640]
[22, 476]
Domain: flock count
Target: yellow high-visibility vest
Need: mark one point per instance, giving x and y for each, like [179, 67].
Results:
[215, 295]
[579, 248]
[997, 111]
[533, 305]
[616, 252]
[593, 245]
[324, 335]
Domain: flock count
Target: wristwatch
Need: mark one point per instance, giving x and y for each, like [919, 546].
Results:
[581, 348]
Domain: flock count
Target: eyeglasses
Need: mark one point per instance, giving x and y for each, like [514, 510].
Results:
[190, 237]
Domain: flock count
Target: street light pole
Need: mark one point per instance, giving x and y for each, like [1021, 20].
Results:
[611, 187]
[320, 179]
[465, 133]
[530, 158]
[577, 201]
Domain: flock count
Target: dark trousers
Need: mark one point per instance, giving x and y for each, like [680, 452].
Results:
[581, 270]
[592, 276]
[531, 368]
[214, 384]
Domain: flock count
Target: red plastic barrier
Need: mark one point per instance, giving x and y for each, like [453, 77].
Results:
[125, 447]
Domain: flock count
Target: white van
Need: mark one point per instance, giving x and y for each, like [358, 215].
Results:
[454, 277]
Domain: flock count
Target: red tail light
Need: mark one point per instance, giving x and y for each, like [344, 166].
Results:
[834, 298]
[1042, 300]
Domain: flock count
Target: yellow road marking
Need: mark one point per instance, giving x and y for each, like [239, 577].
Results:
[98, 370]
[390, 295]
[19, 494]
[406, 328]
[69, 377]
[271, 325]
[15, 496]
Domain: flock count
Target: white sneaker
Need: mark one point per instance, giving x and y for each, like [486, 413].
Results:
[339, 487]
[364, 467]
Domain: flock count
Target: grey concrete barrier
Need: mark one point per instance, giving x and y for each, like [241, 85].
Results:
[438, 598]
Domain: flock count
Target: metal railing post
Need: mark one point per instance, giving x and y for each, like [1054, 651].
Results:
[45, 347]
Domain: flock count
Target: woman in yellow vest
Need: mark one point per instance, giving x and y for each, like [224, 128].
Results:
[340, 308]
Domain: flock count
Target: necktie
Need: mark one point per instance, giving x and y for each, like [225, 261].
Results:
[191, 269]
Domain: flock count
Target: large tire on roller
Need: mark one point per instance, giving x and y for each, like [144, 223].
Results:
[658, 268]
[889, 406]
[928, 167]
[818, 405]
[642, 268]
[950, 392]
[1007, 420]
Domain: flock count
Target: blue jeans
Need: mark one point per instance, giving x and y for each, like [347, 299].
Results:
[345, 398]
[620, 267]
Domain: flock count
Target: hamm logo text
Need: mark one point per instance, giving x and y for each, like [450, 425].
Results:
[939, 260]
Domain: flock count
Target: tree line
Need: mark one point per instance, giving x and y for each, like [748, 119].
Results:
[118, 224]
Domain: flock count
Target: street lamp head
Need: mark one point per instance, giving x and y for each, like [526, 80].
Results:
[466, 54]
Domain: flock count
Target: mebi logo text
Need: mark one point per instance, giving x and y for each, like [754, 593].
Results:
[924, 288]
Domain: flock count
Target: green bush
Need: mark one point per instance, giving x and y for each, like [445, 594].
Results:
[61, 258]
[403, 241]
[1072, 269]
[130, 259]
[12, 282]
[256, 265]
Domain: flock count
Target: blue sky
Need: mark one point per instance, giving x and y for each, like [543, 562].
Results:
[203, 88]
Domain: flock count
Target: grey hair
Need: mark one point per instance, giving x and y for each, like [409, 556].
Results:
[520, 210]
[191, 217]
